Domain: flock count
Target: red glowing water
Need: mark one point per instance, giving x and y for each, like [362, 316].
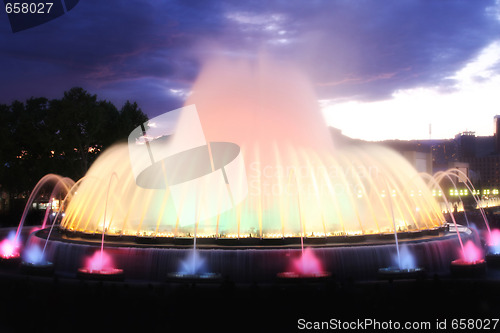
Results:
[9, 248]
[100, 261]
[471, 253]
[307, 264]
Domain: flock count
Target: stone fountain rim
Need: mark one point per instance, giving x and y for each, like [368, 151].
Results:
[66, 236]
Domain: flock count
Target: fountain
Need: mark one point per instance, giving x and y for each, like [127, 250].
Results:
[100, 265]
[193, 269]
[10, 249]
[60, 184]
[471, 262]
[460, 175]
[34, 261]
[270, 183]
[306, 267]
[404, 266]
[468, 264]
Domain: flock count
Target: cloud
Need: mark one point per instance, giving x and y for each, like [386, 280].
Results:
[106, 44]
[468, 102]
[420, 43]
[351, 50]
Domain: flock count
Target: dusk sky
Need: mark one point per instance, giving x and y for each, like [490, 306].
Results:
[380, 69]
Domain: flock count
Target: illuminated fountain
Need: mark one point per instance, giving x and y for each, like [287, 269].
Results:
[269, 187]
[404, 266]
[193, 267]
[307, 267]
[11, 247]
[59, 185]
[100, 265]
[471, 259]
[34, 261]
[332, 199]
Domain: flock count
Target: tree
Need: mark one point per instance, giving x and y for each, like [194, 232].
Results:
[131, 116]
[62, 136]
[26, 152]
[6, 146]
[82, 126]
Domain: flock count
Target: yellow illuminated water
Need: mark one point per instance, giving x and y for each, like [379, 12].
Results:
[298, 182]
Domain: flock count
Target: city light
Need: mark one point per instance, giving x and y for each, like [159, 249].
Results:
[453, 192]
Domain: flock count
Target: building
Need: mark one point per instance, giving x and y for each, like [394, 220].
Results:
[476, 156]
[496, 134]
[483, 156]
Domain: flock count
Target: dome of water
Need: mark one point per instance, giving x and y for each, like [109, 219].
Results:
[298, 183]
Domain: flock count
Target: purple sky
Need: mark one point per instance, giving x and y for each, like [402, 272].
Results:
[151, 51]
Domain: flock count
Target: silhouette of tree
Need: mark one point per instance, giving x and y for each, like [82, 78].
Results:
[62, 136]
[131, 116]
[84, 126]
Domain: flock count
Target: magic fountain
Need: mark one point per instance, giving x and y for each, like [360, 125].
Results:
[246, 180]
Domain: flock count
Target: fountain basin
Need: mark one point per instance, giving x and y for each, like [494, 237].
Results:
[194, 278]
[395, 273]
[493, 259]
[246, 263]
[302, 277]
[109, 274]
[10, 260]
[253, 241]
[463, 268]
[43, 268]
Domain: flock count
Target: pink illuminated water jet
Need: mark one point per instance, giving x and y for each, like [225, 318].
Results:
[9, 247]
[471, 261]
[471, 253]
[100, 263]
[307, 266]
